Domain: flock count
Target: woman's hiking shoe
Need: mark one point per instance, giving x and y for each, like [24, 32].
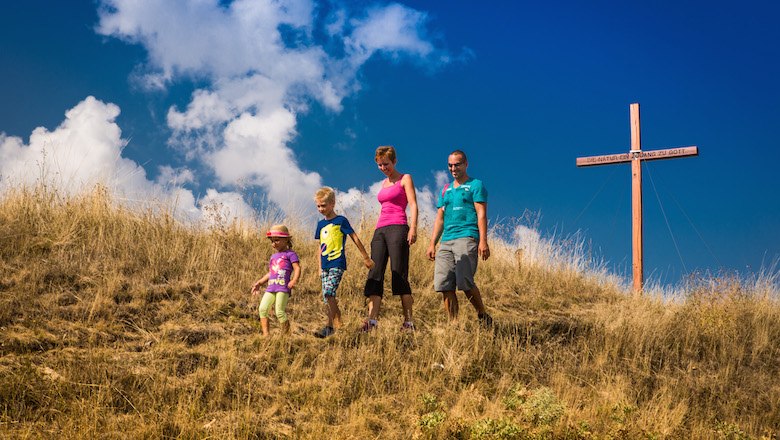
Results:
[324, 332]
[407, 327]
[485, 320]
[368, 325]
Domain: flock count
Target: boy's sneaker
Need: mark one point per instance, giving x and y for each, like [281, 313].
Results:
[324, 332]
[368, 325]
[407, 327]
[485, 320]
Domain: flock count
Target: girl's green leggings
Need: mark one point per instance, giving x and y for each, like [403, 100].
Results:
[278, 298]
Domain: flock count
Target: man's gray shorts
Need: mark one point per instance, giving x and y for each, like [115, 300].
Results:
[456, 264]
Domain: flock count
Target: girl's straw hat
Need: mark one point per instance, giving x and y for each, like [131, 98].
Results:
[278, 231]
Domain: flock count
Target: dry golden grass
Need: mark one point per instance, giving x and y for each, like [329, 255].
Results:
[115, 324]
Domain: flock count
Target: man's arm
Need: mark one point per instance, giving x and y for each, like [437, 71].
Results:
[483, 250]
[438, 228]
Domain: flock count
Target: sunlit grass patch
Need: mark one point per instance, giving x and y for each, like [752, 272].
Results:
[128, 324]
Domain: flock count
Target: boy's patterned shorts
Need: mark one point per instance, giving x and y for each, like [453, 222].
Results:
[330, 282]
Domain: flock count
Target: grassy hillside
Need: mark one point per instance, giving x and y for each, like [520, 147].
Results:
[115, 324]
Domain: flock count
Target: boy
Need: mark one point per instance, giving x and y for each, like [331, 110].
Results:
[332, 232]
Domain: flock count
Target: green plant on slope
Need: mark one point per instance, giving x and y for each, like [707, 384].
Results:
[540, 406]
[730, 431]
[431, 421]
[495, 429]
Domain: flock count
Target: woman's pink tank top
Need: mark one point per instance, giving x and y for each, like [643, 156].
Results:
[393, 200]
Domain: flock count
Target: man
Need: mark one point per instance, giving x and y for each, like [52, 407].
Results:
[461, 223]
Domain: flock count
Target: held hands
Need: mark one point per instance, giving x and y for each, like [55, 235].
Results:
[368, 262]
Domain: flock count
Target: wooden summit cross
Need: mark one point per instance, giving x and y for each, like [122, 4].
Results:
[636, 156]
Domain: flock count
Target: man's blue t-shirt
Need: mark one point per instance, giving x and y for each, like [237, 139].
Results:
[460, 216]
[332, 235]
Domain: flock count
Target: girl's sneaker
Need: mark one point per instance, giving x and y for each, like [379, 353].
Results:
[324, 332]
[407, 327]
[368, 325]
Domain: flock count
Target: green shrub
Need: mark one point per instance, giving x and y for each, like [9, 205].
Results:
[492, 429]
[432, 420]
[542, 407]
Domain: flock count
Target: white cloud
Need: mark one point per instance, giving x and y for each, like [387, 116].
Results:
[336, 23]
[171, 177]
[205, 109]
[442, 178]
[86, 150]
[394, 29]
[256, 150]
[225, 207]
[202, 37]
[357, 205]
[426, 202]
[527, 238]
[240, 44]
[263, 68]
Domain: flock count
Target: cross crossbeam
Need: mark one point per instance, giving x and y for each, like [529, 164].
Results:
[669, 153]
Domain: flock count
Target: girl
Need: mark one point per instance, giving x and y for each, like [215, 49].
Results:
[393, 236]
[284, 271]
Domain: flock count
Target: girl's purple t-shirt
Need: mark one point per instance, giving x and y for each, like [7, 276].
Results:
[281, 269]
[393, 201]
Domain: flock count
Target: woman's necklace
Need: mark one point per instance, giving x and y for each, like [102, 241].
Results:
[397, 177]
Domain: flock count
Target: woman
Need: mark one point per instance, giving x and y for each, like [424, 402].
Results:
[392, 238]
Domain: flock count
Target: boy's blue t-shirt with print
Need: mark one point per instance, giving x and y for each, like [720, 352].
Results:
[332, 235]
[460, 216]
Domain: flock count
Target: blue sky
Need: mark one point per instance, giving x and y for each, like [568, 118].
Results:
[245, 101]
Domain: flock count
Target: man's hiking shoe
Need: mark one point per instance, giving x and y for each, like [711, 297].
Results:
[485, 320]
[324, 332]
[368, 326]
[407, 327]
